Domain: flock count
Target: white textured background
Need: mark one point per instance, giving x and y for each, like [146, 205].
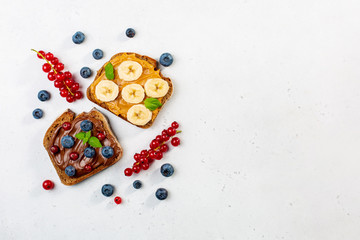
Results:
[267, 94]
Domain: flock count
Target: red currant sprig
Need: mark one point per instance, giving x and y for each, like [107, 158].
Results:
[158, 147]
[62, 80]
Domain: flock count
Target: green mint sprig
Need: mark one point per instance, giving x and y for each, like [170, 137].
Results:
[86, 137]
[152, 103]
[109, 71]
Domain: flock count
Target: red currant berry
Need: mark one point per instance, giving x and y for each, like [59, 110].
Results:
[58, 83]
[150, 160]
[128, 172]
[159, 138]
[165, 137]
[117, 200]
[63, 88]
[75, 87]
[49, 56]
[154, 144]
[159, 155]
[74, 155]
[175, 125]
[100, 136]
[69, 82]
[68, 75]
[78, 95]
[54, 61]
[171, 131]
[64, 93]
[144, 153]
[152, 155]
[46, 67]
[164, 148]
[143, 160]
[42, 53]
[137, 157]
[47, 185]
[54, 149]
[175, 141]
[66, 126]
[136, 169]
[59, 66]
[88, 167]
[51, 76]
[145, 166]
[70, 98]
[60, 76]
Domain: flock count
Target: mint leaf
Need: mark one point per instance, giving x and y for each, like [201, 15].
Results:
[88, 134]
[152, 103]
[80, 135]
[94, 142]
[109, 71]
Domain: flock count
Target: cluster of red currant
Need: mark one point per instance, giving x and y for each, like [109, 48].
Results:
[62, 80]
[158, 147]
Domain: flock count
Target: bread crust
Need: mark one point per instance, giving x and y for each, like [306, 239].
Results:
[153, 62]
[69, 116]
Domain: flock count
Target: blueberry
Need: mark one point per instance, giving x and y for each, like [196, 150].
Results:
[137, 184]
[107, 190]
[37, 113]
[70, 171]
[86, 125]
[78, 37]
[43, 95]
[161, 193]
[98, 54]
[130, 32]
[166, 59]
[85, 72]
[67, 141]
[107, 151]
[89, 152]
[167, 170]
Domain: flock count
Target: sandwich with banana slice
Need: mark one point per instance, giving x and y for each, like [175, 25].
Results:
[132, 87]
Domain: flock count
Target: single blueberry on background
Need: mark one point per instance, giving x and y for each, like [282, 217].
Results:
[98, 54]
[78, 37]
[137, 184]
[37, 113]
[89, 152]
[67, 141]
[107, 151]
[70, 171]
[107, 190]
[86, 125]
[161, 193]
[85, 72]
[43, 95]
[130, 32]
[166, 59]
[167, 170]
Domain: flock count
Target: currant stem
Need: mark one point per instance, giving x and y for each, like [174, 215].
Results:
[45, 60]
[53, 70]
[178, 131]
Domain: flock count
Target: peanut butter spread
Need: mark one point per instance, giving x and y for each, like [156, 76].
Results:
[119, 106]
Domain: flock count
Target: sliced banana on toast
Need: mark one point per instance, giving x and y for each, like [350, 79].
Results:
[133, 93]
[129, 70]
[132, 79]
[106, 91]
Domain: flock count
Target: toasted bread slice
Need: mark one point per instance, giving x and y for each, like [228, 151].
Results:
[61, 159]
[150, 70]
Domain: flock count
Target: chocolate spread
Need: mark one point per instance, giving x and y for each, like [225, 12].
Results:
[62, 158]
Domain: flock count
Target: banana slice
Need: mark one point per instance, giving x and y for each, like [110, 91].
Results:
[156, 87]
[139, 115]
[133, 93]
[106, 91]
[129, 70]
